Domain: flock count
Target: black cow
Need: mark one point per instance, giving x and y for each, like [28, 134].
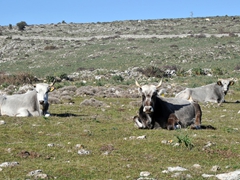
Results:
[168, 113]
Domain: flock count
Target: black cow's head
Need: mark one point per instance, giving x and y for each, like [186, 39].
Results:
[149, 94]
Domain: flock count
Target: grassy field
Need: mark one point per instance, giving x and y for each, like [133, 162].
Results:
[107, 132]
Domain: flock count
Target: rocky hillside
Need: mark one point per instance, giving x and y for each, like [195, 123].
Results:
[119, 48]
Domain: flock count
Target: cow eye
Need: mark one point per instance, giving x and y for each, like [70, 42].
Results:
[155, 93]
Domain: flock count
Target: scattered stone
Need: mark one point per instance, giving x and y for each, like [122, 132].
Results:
[165, 171]
[79, 146]
[177, 168]
[142, 137]
[235, 175]
[176, 175]
[164, 141]
[51, 145]
[145, 173]
[176, 144]
[37, 174]
[83, 152]
[207, 175]
[209, 144]
[167, 141]
[134, 137]
[215, 168]
[2, 122]
[9, 164]
[197, 166]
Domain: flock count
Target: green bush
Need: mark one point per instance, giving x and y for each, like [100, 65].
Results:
[217, 71]
[64, 76]
[50, 78]
[117, 78]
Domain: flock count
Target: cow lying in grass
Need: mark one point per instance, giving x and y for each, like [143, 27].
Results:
[209, 93]
[167, 113]
[32, 103]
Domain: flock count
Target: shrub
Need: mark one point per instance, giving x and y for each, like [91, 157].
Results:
[16, 79]
[152, 72]
[50, 47]
[118, 78]
[217, 71]
[64, 76]
[50, 78]
[237, 67]
[21, 25]
[197, 71]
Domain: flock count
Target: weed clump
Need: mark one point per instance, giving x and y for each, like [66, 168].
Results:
[186, 140]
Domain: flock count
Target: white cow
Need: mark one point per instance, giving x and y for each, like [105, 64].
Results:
[32, 103]
[209, 93]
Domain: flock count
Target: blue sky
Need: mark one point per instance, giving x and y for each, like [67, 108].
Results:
[87, 11]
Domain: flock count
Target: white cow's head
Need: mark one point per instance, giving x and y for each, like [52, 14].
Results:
[149, 94]
[42, 95]
[225, 83]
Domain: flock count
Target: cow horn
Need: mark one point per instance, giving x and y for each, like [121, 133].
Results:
[159, 84]
[53, 82]
[137, 84]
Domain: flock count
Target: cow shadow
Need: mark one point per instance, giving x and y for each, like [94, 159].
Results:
[67, 115]
[231, 102]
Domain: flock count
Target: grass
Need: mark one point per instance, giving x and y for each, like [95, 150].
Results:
[109, 129]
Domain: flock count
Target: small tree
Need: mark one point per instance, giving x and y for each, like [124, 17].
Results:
[21, 25]
[10, 26]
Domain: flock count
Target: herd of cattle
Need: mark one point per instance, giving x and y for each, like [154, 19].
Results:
[155, 112]
[181, 111]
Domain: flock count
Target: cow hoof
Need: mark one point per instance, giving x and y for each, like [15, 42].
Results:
[198, 127]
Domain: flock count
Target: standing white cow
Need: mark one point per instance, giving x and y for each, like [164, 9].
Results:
[209, 93]
[32, 103]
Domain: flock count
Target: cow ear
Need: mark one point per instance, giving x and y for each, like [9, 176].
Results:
[51, 89]
[219, 83]
[231, 83]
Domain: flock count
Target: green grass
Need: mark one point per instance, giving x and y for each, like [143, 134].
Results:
[96, 128]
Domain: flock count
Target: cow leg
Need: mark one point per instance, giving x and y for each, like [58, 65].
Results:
[198, 116]
[23, 113]
[137, 122]
[173, 122]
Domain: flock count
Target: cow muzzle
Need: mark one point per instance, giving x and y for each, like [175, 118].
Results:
[148, 109]
[41, 102]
